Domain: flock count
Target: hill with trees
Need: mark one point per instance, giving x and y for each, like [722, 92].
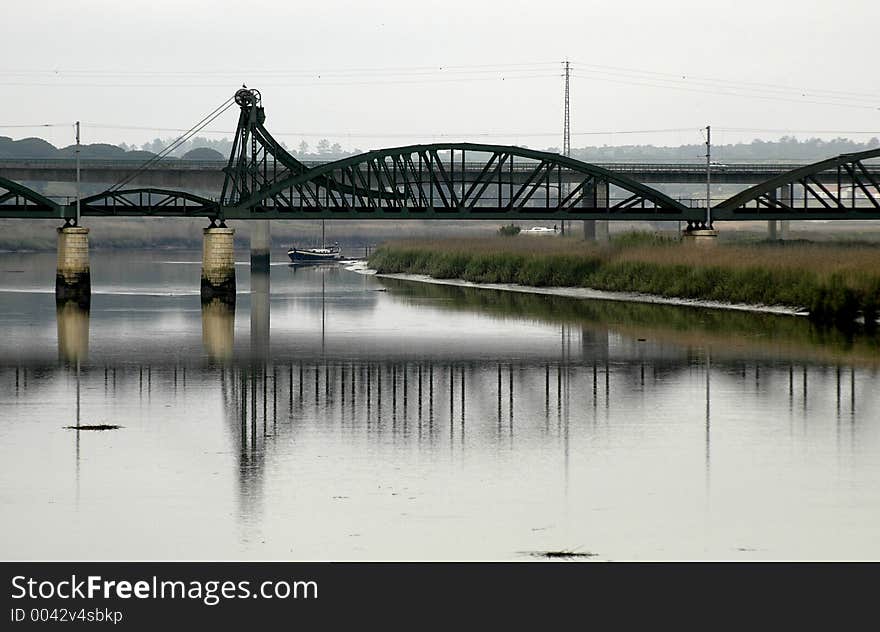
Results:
[785, 149]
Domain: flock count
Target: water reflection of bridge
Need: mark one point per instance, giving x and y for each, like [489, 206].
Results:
[270, 409]
[425, 398]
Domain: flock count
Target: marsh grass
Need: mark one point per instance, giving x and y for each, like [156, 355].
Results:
[836, 283]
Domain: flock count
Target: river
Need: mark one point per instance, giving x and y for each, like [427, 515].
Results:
[333, 415]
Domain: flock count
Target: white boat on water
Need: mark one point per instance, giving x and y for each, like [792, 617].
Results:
[539, 230]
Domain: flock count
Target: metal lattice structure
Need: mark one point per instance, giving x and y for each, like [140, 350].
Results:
[16, 200]
[441, 181]
[257, 160]
[149, 202]
[454, 180]
[844, 187]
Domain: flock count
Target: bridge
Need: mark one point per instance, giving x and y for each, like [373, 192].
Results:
[261, 180]
[461, 181]
[208, 175]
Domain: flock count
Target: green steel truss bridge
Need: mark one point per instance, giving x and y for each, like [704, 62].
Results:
[456, 181]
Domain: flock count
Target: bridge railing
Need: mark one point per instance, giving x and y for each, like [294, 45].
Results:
[218, 165]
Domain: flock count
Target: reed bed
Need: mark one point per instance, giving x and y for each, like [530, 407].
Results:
[836, 283]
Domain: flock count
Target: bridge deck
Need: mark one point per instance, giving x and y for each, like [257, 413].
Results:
[208, 175]
[537, 214]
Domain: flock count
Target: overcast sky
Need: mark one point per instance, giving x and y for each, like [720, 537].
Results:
[390, 72]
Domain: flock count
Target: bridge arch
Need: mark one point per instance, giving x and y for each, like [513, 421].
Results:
[461, 180]
[147, 202]
[802, 194]
[17, 200]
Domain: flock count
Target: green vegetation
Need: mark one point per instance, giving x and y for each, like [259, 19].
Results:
[510, 230]
[835, 283]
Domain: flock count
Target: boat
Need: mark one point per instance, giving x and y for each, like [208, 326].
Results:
[324, 254]
[539, 230]
[328, 254]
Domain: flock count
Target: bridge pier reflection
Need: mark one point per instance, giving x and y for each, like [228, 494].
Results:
[261, 244]
[218, 328]
[260, 289]
[73, 330]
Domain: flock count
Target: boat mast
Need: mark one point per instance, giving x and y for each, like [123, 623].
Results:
[322, 234]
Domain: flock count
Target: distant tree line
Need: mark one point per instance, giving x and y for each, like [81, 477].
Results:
[323, 150]
[787, 148]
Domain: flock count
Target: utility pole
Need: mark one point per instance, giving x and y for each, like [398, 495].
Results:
[709, 177]
[76, 152]
[566, 126]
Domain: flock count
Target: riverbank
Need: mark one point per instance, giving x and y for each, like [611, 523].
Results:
[598, 295]
[834, 283]
[729, 334]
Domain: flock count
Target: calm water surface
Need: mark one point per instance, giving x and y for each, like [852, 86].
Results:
[344, 417]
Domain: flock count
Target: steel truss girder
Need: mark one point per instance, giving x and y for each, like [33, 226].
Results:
[423, 177]
[807, 197]
[148, 201]
[17, 200]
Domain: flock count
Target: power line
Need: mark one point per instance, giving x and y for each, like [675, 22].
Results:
[34, 125]
[316, 83]
[437, 69]
[395, 74]
[288, 71]
[730, 93]
[716, 81]
[339, 134]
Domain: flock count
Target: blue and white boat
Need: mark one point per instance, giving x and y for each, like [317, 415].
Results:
[324, 254]
[328, 254]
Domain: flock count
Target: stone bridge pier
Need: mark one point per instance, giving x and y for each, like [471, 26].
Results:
[72, 276]
[218, 264]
